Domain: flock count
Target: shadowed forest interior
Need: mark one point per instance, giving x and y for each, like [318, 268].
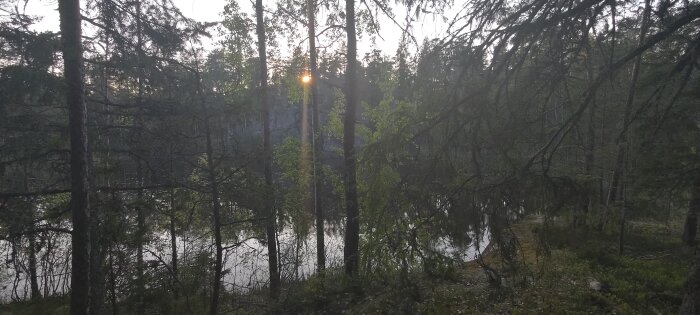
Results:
[530, 157]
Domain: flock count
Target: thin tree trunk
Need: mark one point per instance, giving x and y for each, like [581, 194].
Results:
[352, 230]
[270, 228]
[69, 11]
[317, 140]
[628, 109]
[173, 242]
[216, 204]
[691, 299]
[690, 227]
[112, 284]
[589, 147]
[623, 218]
[97, 282]
[140, 231]
[141, 221]
[34, 283]
[615, 184]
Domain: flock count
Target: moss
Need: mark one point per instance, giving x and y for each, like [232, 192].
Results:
[44, 306]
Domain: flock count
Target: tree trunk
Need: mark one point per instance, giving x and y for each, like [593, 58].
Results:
[34, 283]
[691, 300]
[270, 228]
[173, 242]
[97, 281]
[615, 184]
[317, 140]
[69, 11]
[140, 231]
[112, 284]
[589, 148]
[216, 205]
[141, 221]
[352, 230]
[628, 108]
[690, 228]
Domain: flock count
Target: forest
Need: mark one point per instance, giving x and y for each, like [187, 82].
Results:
[533, 157]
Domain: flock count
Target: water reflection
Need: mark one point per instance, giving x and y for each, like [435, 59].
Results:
[245, 265]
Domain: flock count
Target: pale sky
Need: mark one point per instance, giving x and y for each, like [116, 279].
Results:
[210, 11]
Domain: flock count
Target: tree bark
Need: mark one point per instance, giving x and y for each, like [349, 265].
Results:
[112, 284]
[97, 282]
[141, 221]
[34, 283]
[352, 230]
[615, 184]
[173, 242]
[691, 299]
[69, 11]
[628, 108]
[317, 140]
[140, 232]
[216, 204]
[270, 228]
[690, 227]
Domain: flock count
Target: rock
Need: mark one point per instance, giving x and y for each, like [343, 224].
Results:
[596, 285]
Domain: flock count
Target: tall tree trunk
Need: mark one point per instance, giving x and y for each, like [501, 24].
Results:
[615, 184]
[216, 203]
[352, 230]
[586, 201]
[270, 227]
[33, 281]
[691, 300]
[31, 252]
[140, 217]
[628, 110]
[69, 11]
[101, 243]
[97, 281]
[112, 284]
[317, 140]
[71, 32]
[690, 227]
[173, 241]
[140, 232]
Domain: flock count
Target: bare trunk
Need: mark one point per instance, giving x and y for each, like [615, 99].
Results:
[691, 300]
[140, 231]
[173, 242]
[112, 284]
[270, 228]
[34, 283]
[628, 109]
[690, 228]
[97, 282]
[615, 184]
[317, 141]
[69, 11]
[140, 290]
[216, 205]
[352, 230]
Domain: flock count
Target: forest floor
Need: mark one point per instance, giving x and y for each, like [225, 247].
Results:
[552, 279]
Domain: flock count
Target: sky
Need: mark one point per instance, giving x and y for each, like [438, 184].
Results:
[428, 26]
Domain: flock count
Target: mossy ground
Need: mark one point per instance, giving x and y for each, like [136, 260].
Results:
[551, 279]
